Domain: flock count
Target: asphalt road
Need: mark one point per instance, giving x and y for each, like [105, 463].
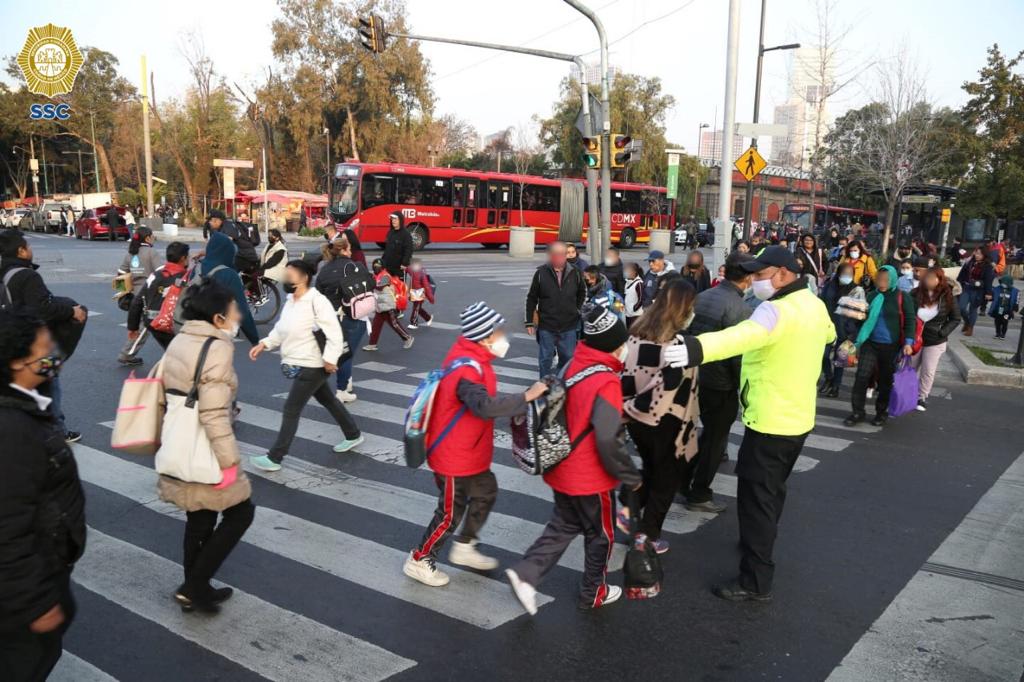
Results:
[322, 596]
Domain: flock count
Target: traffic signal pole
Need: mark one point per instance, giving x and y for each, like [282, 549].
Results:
[723, 227]
[593, 245]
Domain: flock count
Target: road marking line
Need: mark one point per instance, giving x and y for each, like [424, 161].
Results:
[502, 386]
[523, 360]
[470, 597]
[378, 367]
[71, 668]
[266, 639]
[813, 440]
[523, 337]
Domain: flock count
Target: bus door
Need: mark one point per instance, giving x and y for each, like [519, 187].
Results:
[499, 198]
[465, 197]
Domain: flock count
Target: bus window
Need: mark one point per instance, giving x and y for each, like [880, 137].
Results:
[472, 193]
[625, 201]
[550, 198]
[436, 191]
[410, 189]
[377, 190]
[458, 193]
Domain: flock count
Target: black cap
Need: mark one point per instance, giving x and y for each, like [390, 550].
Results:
[773, 257]
[217, 213]
[921, 262]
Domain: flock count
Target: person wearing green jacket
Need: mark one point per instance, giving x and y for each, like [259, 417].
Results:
[778, 390]
[889, 329]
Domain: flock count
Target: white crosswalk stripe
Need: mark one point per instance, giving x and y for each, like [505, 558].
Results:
[288, 646]
[71, 668]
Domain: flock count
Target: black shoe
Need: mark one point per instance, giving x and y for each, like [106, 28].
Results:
[734, 592]
[219, 595]
[205, 604]
[825, 388]
[854, 419]
[131, 362]
[833, 392]
[72, 436]
[709, 506]
[880, 419]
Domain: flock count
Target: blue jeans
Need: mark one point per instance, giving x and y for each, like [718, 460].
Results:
[354, 331]
[58, 412]
[970, 301]
[548, 342]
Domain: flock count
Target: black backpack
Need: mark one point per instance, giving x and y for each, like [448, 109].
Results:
[642, 571]
[6, 302]
[341, 281]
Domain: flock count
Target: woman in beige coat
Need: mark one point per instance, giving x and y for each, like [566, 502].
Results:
[211, 313]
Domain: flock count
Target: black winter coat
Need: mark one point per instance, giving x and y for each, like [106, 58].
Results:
[716, 309]
[938, 329]
[30, 295]
[615, 276]
[557, 307]
[42, 512]
[397, 249]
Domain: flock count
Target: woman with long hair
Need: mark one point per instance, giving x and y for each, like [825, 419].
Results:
[812, 261]
[695, 272]
[864, 266]
[275, 255]
[938, 310]
[661, 402]
[976, 277]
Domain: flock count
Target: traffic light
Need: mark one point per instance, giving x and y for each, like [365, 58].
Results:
[592, 152]
[621, 150]
[372, 33]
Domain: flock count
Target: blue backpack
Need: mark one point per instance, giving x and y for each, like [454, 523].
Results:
[417, 418]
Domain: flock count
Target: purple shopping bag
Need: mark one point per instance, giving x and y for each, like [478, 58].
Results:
[904, 389]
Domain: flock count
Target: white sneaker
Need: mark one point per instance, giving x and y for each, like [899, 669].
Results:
[345, 396]
[869, 394]
[370, 347]
[425, 570]
[614, 593]
[408, 342]
[466, 554]
[412, 325]
[524, 591]
[430, 322]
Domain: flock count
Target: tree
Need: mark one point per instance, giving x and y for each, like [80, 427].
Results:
[526, 155]
[638, 109]
[993, 143]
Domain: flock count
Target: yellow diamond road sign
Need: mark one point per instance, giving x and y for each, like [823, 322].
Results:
[750, 164]
[50, 60]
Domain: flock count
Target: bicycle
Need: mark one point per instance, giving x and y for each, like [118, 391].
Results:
[263, 297]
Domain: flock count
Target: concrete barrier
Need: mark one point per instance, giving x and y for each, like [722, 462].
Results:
[661, 240]
[521, 242]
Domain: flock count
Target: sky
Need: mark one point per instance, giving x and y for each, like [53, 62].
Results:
[682, 42]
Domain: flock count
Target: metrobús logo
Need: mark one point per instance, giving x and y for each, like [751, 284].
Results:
[50, 61]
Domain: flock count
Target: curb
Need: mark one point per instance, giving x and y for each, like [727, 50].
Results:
[977, 373]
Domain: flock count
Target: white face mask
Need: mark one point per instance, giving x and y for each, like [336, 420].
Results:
[622, 354]
[845, 279]
[855, 255]
[907, 273]
[610, 262]
[232, 331]
[499, 348]
[763, 289]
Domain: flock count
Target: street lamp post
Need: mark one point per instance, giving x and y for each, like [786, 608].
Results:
[95, 161]
[696, 182]
[748, 204]
[81, 177]
[330, 173]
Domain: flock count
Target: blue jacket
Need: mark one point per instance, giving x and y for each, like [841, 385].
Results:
[220, 250]
[1001, 305]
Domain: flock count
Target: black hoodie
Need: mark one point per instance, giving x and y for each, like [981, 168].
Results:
[397, 247]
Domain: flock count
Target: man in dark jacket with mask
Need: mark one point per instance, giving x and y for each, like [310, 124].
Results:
[42, 507]
[553, 308]
[23, 289]
[398, 247]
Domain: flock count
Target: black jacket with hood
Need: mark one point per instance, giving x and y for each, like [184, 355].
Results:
[29, 294]
[397, 248]
[42, 512]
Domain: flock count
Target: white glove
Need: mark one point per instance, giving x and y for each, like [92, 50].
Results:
[676, 356]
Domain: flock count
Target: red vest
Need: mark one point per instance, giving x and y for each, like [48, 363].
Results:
[581, 473]
[469, 446]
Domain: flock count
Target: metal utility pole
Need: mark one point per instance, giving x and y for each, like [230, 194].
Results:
[95, 161]
[266, 204]
[696, 182]
[33, 165]
[330, 173]
[593, 245]
[81, 176]
[606, 126]
[748, 204]
[722, 224]
[147, 148]
[46, 183]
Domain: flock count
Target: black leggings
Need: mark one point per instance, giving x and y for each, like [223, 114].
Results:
[207, 544]
[661, 473]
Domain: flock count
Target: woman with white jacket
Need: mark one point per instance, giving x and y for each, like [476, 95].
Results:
[309, 336]
[274, 256]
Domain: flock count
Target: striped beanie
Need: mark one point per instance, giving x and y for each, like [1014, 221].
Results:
[479, 321]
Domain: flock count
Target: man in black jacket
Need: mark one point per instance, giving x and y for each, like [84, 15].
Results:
[113, 220]
[42, 507]
[26, 292]
[245, 238]
[398, 247]
[553, 308]
[717, 308]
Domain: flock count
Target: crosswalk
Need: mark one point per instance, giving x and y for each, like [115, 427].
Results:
[512, 274]
[370, 488]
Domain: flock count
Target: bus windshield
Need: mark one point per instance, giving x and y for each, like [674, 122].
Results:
[797, 215]
[346, 192]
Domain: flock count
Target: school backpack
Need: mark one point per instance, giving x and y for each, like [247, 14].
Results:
[6, 302]
[417, 418]
[178, 317]
[350, 288]
[164, 320]
[540, 439]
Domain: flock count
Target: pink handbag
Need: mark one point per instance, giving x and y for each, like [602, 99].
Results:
[140, 413]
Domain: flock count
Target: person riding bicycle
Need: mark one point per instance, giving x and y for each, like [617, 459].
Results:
[245, 237]
[218, 265]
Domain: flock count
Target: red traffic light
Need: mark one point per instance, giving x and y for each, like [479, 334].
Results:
[622, 141]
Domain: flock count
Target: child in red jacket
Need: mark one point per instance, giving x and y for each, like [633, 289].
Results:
[460, 445]
[421, 290]
[584, 481]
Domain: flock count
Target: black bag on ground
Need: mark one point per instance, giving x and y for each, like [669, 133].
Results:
[642, 571]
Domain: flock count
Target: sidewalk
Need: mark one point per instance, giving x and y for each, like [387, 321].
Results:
[194, 235]
[972, 369]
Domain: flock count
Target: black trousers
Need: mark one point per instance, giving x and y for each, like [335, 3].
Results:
[1002, 325]
[765, 462]
[718, 410]
[661, 471]
[311, 383]
[208, 544]
[880, 358]
[594, 517]
[29, 657]
[471, 497]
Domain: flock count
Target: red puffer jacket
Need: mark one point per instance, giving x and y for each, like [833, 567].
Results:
[582, 473]
[469, 447]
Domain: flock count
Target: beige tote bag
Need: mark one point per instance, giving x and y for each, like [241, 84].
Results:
[140, 412]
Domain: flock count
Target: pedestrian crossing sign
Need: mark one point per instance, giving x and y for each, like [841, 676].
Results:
[750, 164]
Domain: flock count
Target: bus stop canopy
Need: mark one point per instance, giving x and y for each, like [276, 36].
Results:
[281, 196]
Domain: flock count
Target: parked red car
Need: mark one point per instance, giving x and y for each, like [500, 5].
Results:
[93, 224]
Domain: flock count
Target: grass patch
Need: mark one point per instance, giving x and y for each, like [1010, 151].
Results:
[988, 357]
[312, 232]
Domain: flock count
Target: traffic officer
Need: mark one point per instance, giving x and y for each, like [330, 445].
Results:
[777, 390]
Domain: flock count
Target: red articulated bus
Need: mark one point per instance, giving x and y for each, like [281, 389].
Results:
[825, 216]
[451, 205]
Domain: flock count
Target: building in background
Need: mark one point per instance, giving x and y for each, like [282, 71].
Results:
[800, 112]
[711, 145]
[594, 73]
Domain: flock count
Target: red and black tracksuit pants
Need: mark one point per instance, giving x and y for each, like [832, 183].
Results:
[469, 497]
[594, 517]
